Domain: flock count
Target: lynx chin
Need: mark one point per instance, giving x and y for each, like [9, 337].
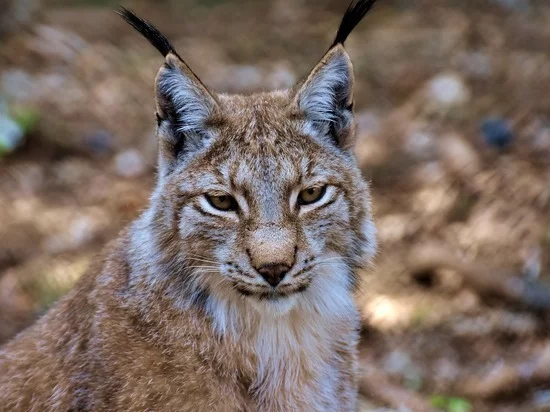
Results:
[234, 290]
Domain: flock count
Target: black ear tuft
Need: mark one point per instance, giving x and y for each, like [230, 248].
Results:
[147, 30]
[354, 14]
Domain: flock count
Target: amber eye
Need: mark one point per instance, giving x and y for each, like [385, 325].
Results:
[311, 195]
[224, 203]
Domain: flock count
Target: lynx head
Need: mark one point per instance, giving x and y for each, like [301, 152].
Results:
[259, 197]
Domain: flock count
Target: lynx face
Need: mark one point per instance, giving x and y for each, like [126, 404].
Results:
[266, 206]
[259, 197]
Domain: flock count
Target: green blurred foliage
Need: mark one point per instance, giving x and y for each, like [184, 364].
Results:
[451, 404]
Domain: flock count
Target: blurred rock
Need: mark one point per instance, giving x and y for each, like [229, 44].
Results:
[458, 155]
[420, 142]
[100, 143]
[497, 133]
[448, 91]
[130, 164]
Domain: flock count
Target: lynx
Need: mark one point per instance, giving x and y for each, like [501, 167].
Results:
[234, 289]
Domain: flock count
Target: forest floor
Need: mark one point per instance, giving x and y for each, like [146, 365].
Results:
[454, 134]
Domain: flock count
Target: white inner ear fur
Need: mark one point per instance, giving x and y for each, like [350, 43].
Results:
[319, 96]
[192, 105]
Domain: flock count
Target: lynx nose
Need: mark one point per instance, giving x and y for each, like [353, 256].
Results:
[273, 273]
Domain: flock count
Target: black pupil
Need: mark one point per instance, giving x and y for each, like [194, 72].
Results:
[311, 191]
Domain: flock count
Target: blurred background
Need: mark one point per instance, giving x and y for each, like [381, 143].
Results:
[453, 107]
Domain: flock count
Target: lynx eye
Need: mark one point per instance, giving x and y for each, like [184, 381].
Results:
[311, 195]
[225, 203]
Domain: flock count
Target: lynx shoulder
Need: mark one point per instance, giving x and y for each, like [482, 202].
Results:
[233, 291]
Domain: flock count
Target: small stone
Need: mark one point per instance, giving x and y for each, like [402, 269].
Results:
[100, 142]
[130, 164]
[421, 144]
[448, 90]
[497, 133]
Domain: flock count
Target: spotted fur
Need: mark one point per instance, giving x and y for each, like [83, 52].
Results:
[177, 314]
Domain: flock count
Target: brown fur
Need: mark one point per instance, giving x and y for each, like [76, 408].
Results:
[176, 316]
[96, 350]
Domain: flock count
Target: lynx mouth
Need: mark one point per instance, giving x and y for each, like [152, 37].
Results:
[274, 294]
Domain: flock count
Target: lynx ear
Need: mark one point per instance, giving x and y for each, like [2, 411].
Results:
[184, 108]
[326, 98]
[184, 104]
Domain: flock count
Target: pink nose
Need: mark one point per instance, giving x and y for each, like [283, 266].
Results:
[273, 273]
